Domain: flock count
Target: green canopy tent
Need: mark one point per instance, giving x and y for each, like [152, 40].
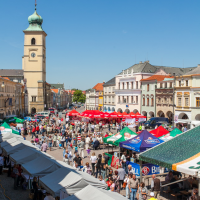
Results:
[5, 125]
[18, 120]
[106, 138]
[171, 135]
[9, 120]
[123, 135]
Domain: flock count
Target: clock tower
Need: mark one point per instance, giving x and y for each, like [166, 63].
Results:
[34, 63]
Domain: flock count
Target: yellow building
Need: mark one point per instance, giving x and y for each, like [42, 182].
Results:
[100, 107]
[99, 94]
[34, 64]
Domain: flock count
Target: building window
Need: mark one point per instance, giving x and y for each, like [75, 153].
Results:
[136, 99]
[152, 101]
[147, 101]
[179, 83]
[124, 100]
[160, 85]
[165, 85]
[127, 99]
[186, 82]
[131, 99]
[147, 87]
[131, 85]
[33, 41]
[187, 102]
[136, 84]
[119, 86]
[119, 99]
[123, 86]
[179, 101]
[127, 85]
[143, 101]
[198, 102]
[113, 90]
[170, 84]
[33, 98]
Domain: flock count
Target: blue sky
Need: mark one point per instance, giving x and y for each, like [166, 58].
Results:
[90, 41]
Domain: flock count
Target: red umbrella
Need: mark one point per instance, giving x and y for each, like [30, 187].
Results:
[125, 115]
[138, 115]
[73, 113]
[132, 114]
[113, 114]
[106, 115]
[119, 114]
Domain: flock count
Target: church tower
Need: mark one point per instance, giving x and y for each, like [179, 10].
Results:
[34, 63]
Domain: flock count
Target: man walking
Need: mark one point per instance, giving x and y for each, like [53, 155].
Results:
[133, 186]
[81, 147]
[155, 186]
[121, 174]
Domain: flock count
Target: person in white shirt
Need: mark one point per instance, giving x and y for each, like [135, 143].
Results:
[126, 180]
[87, 142]
[49, 197]
[93, 159]
[123, 159]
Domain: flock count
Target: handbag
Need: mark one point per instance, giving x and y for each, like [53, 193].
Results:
[124, 185]
[31, 195]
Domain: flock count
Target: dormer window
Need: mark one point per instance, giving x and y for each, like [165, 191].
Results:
[33, 41]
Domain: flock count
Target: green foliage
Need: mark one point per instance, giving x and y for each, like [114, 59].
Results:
[79, 96]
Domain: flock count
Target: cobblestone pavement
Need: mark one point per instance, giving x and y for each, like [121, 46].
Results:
[8, 184]
[57, 153]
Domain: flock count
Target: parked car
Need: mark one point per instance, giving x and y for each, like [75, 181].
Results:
[39, 116]
[151, 123]
[44, 113]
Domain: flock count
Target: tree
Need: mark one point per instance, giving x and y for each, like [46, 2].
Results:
[79, 96]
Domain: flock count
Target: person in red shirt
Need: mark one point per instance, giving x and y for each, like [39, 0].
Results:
[33, 131]
[106, 135]
[37, 129]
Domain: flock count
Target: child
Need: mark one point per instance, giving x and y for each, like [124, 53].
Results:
[88, 152]
[76, 149]
[60, 145]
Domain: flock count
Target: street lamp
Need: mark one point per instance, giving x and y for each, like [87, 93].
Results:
[2, 85]
[173, 98]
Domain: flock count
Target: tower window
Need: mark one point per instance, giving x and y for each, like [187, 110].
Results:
[33, 41]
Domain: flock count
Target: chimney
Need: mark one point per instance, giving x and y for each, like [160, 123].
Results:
[147, 61]
[103, 82]
[140, 62]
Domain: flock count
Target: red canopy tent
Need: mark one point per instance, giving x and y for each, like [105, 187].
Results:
[119, 114]
[132, 114]
[113, 115]
[160, 131]
[73, 113]
[138, 115]
[125, 115]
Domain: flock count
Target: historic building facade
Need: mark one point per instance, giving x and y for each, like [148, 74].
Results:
[109, 96]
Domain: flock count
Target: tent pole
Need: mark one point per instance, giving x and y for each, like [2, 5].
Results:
[199, 187]
[119, 154]
[140, 162]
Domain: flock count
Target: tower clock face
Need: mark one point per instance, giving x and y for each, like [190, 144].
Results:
[33, 55]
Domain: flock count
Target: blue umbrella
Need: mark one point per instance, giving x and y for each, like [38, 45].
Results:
[141, 142]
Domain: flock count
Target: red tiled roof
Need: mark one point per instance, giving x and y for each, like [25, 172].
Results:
[157, 77]
[54, 90]
[98, 86]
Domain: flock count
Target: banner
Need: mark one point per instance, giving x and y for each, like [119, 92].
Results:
[115, 162]
[147, 169]
[130, 122]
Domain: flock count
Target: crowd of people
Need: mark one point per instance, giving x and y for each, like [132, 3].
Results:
[79, 137]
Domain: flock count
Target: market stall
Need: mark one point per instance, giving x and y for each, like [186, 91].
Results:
[171, 135]
[91, 193]
[141, 142]
[69, 181]
[159, 132]
[181, 153]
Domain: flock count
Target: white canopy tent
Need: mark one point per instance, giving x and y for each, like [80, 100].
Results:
[91, 193]
[41, 166]
[25, 155]
[7, 136]
[17, 146]
[69, 181]
[10, 141]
